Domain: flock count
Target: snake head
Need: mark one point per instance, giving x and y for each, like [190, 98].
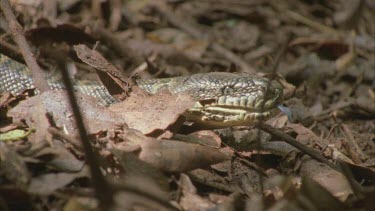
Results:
[223, 99]
[226, 99]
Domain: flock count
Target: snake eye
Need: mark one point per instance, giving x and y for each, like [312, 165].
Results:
[227, 90]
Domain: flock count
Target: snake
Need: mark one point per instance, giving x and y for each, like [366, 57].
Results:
[222, 99]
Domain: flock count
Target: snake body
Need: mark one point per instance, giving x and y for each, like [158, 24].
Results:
[223, 99]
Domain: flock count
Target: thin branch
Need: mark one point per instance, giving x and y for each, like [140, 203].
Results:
[272, 77]
[12, 51]
[273, 73]
[17, 32]
[103, 190]
[283, 136]
[290, 140]
[115, 18]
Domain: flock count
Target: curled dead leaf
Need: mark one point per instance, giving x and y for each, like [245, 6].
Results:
[177, 156]
[168, 155]
[331, 180]
[152, 114]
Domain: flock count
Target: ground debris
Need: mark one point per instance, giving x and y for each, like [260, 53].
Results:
[153, 159]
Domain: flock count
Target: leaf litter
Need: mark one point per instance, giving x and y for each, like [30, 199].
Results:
[143, 145]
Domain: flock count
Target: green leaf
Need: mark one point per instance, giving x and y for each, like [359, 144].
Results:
[14, 135]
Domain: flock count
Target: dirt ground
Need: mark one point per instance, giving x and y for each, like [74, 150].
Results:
[141, 154]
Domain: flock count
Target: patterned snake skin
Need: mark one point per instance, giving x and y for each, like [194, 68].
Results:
[223, 99]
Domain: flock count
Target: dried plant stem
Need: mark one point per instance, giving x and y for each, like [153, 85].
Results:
[290, 140]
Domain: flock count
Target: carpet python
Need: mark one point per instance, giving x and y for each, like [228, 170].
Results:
[223, 99]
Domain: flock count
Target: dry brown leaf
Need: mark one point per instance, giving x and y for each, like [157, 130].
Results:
[12, 167]
[39, 120]
[209, 137]
[278, 121]
[211, 179]
[190, 200]
[360, 172]
[167, 155]
[136, 168]
[59, 158]
[152, 114]
[5, 99]
[48, 183]
[226, 166]
[202, 137]
[306, 136]
[140, 194]
[97, 118]
[177, 156]
[332, 180]
[317, 197]
[277, 186]
[112, 78]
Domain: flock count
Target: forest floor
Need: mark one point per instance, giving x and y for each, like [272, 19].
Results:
[318, 154]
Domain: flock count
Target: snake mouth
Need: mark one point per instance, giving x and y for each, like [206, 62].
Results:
[235, 111]
[220, 117]
[215, 116]
[254, 102]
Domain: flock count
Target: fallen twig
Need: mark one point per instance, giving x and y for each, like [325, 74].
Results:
[290, 140]
[115, 18]
[17, 32]
[351, 145]
[104, 191]
[11, 50]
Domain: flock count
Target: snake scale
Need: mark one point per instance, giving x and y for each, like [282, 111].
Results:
[223, 99]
